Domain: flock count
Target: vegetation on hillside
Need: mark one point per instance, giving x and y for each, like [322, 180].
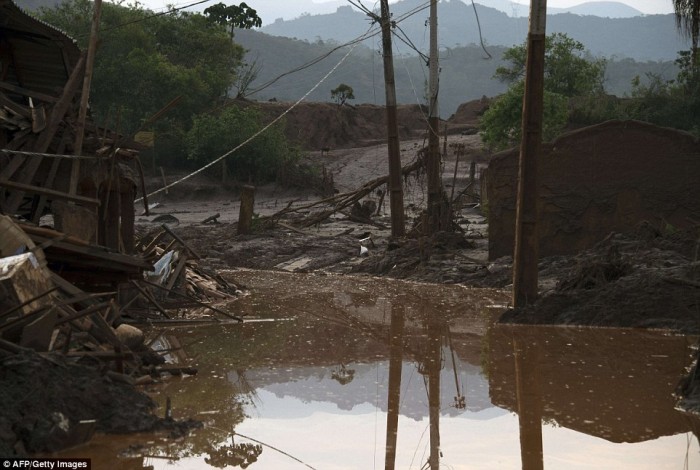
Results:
[466, 72]
[574, 94]
[146, 61]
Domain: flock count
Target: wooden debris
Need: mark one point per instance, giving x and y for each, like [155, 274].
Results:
[212, 219]
[342, 201]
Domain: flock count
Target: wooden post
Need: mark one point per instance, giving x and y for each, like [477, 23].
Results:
[87, 80]
[245, 216]
[526, 252]
[398, 228]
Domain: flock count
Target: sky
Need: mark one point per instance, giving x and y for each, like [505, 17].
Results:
[286, 8]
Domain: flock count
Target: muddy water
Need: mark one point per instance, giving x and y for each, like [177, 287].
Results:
[370, 374]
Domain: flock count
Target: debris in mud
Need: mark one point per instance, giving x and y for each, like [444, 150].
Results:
[634, 280]
[69, 359]
[47, 397]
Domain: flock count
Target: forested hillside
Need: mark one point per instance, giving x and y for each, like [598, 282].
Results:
[466, 72]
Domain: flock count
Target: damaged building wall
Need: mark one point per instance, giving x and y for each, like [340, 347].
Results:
[596, 180]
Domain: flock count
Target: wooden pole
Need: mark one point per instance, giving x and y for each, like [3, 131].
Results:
[87, 80]
[398, 228]
[526, 252]
[245, 215]
[436, 206]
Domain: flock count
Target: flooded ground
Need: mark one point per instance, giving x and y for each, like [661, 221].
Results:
[363, 373]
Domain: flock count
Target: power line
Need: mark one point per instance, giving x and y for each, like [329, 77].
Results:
[369, 34]
[254, 136]
[478, 24]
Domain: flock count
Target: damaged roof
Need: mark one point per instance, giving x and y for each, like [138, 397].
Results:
[33, 54]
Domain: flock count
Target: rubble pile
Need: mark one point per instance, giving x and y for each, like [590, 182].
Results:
[72, 347]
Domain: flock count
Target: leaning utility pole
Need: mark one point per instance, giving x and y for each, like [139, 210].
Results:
[395, 183]
[436, 206]
[526, 253]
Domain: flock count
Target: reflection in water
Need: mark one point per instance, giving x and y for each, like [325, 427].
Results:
[331, 391]
[393, 400]
[529, 399]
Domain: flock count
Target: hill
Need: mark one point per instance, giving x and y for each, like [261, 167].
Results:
[466, 72]
[652, 37]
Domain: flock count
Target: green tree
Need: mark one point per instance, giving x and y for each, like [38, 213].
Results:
[143, 62]
[342, 93]
[234, 16]
[671, 103]
[568, 69]
[569, 72]
[212, 136]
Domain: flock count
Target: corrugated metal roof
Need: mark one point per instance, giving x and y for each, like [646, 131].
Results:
[42, 55]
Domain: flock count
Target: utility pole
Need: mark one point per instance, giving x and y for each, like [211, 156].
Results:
[398, 228]
[526, 253]
[436, 206]
[87, 80]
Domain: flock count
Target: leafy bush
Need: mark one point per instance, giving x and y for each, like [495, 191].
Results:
[258, 161]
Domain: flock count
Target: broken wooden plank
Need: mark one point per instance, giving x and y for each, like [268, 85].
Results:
[176, 273]
[181, 241]
[153, 243]
[27, 302]
[29, 93]
[82, 313]
[202, 304]
[28, 188]
[48, 183]
[212, 218]
[151, 299]
[15, 107]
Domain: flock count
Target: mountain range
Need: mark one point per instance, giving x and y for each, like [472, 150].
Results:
[289, 68]
[271, 10]
[644, 37]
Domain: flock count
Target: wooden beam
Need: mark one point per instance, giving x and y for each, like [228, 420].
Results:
[58, 112]
[50, 193]
[30, 93]
[42, 143]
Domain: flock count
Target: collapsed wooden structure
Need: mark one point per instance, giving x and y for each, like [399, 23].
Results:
[89, 191]
[72, 278]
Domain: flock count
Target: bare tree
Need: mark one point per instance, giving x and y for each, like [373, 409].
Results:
[246, 74]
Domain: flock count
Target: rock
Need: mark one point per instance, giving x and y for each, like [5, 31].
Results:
[130, 336]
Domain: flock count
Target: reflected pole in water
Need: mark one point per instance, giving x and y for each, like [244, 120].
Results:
[434, 366]
[395, 365]
[529, 397]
